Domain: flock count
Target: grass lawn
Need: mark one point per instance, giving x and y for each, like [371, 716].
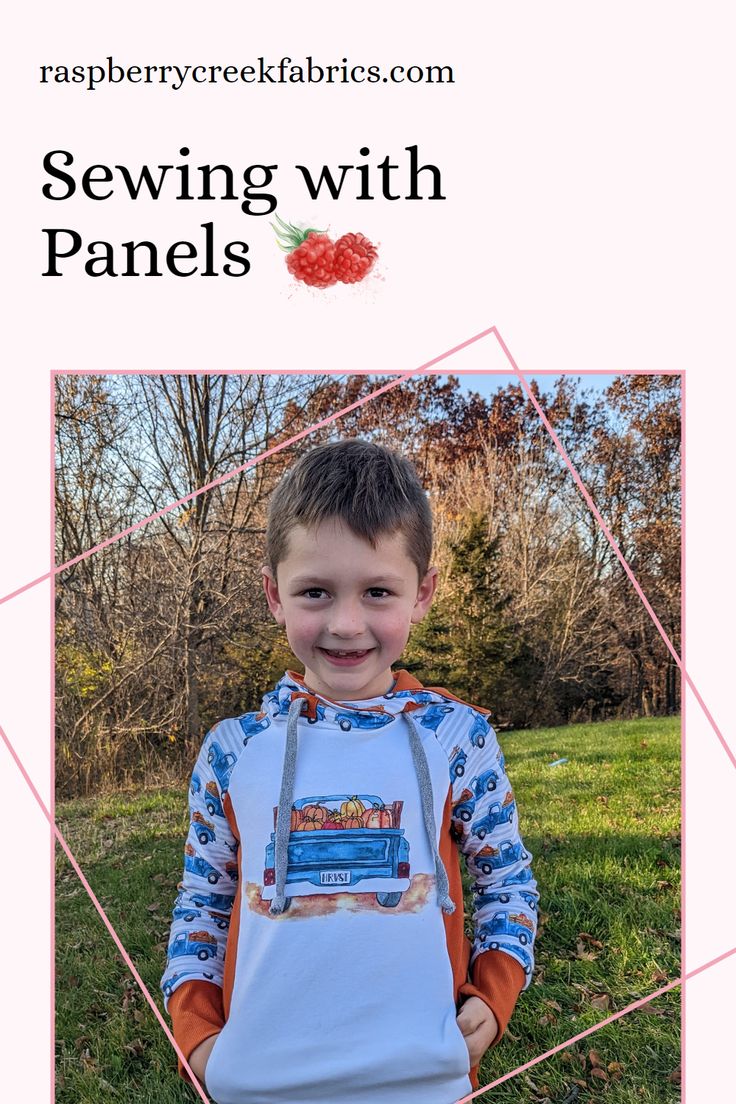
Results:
[603, 829]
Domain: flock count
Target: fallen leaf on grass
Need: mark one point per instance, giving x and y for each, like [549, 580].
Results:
[602, 1001]
[553, 1004]
[676, 1076]
[659, 975]
[616, 1070]
[586, 938]
[600, 1074]
[153, 908]
[582, 953]
[594, 1058]
[135, 1048]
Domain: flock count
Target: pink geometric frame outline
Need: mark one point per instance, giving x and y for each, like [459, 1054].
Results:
[424, 368]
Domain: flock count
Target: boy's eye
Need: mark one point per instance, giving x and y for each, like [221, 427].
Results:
[314, 592]
[378, 592]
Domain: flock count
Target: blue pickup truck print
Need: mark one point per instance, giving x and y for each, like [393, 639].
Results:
[181, 912]
[422, 697]
[458, 759]
[485, 895]
[495, 858]
[465, 807]
[503, 923]
[524, 875]
[356, 719]
[251, 723]
[197, 865]
[484, 783]
[212, 800]
[168, 986]
[204, 829]
[356, 855]
[199, 943]
[478, 731]
[209, 900]
[497, 814]
[222, 763]
[195, 785]
[530, 900]
[434, 716]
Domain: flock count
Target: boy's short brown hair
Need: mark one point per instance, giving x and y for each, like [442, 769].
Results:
[368, 487]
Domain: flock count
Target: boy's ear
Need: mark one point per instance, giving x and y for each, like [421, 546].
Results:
[425, 595]
[271, 590]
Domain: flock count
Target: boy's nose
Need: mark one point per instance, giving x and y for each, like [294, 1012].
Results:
[346, 620]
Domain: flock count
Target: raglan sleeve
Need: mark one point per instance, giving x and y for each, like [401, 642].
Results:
[505, 897]
[193, 980]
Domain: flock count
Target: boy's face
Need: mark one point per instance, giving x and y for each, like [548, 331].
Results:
[347, 607]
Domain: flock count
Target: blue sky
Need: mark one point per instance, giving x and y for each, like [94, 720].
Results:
[487, 383]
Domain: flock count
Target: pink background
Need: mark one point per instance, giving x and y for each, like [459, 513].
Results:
[585, 154]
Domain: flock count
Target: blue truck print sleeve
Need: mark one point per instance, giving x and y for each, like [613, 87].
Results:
[201, 912]
[485, 825]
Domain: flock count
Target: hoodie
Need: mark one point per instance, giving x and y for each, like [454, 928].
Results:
[319, 925]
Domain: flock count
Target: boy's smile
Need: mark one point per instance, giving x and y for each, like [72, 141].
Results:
[347, 607]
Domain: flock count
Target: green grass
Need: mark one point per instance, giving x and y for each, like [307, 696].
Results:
[603, 830]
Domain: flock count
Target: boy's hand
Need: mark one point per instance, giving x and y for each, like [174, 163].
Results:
[479, 1027]
[200, 1055]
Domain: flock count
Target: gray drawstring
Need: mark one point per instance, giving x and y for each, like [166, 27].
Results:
[283, 815]
[427, 798]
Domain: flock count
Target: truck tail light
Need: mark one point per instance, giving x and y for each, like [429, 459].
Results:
[403, 871]
[269, 876]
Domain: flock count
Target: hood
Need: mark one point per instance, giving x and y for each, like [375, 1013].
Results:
[406, 695]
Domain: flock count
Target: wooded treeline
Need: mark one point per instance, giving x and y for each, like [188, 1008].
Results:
[166, 630]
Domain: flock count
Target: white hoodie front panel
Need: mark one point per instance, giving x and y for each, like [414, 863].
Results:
[340, 998]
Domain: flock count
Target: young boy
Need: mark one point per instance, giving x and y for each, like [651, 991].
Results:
[317, 951]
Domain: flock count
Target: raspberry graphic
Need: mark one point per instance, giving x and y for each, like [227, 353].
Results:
[311, 254]
[354, 258]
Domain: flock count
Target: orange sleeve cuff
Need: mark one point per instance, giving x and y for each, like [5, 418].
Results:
[497, 979]
[196, 1011]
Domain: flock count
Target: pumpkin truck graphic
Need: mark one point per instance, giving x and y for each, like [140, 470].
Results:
[342, 842]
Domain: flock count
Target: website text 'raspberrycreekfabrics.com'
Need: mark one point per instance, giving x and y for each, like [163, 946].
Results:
[284, 71]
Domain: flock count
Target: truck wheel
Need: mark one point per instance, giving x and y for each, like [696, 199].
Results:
[459, 770]
[480, 833]
[494, 945]
[189, 917]
[202, 954]
[481, 741]
[211, 809]
[466, 814]
[504, 898]
[212, 878]
[523, 939]
[202, 837]
[388, 900]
